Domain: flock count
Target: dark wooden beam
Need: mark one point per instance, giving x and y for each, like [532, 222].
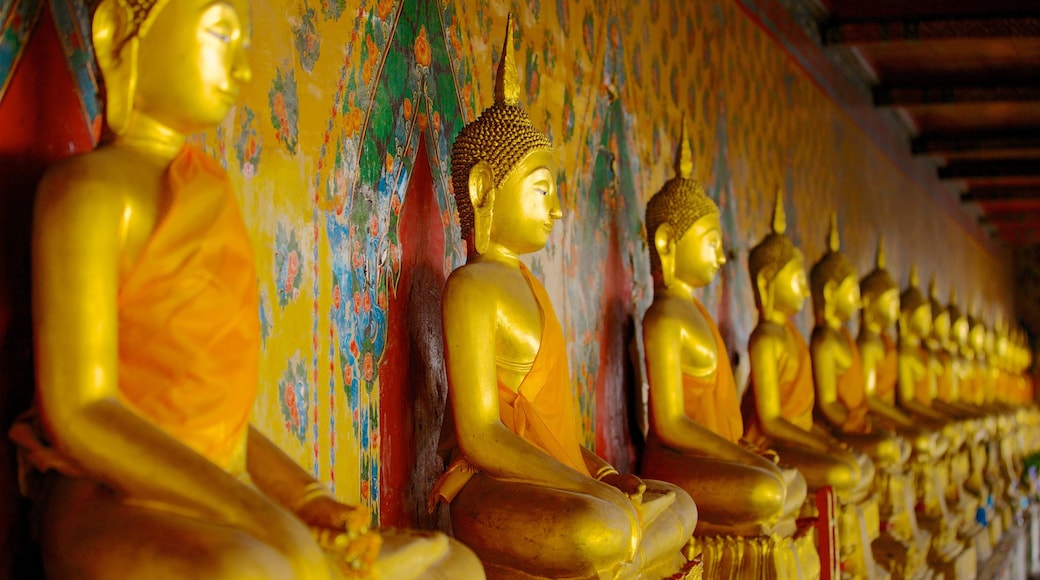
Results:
[878, 31]
[953, 144]
[1002, 219]
[897, 96]
[998, 194]
[1014, 168]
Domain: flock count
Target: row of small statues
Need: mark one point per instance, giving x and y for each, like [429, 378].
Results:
[142, 463]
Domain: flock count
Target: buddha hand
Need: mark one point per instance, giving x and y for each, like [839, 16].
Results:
[628, 483]
[326, 513]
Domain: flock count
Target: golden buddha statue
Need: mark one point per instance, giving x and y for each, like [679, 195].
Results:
[523, 492]
[146, 374]
[695, 423]
[778, 406]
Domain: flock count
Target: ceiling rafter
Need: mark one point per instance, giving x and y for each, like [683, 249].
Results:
[991, 169]
[967, 143]
[916, 29]
[938, 94]
[1000, 194]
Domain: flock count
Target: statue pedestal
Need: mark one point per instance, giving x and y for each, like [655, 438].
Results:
[1010, 556]
[773, 556]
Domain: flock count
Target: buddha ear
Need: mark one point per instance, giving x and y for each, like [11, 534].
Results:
[482, 196]
[664, 243]
[765, 297]
[118, 63]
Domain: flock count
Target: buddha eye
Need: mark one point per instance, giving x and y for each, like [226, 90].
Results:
[220, 34]
[542, 190]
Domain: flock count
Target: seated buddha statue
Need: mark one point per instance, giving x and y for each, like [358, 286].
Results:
[778, 406]
[695, 423]
[524, 494]
[841, 399]
[138, 453]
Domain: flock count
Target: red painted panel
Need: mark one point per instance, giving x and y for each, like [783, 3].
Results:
[616, 378]
[41, 123]
[412, 381]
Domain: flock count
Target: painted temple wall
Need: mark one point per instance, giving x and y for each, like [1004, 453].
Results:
[351, 250]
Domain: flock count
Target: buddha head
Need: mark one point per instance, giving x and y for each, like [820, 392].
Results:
[179, 64]
[835, 290]
[977, 335]
[940, 335]
[682, 224]
[777, 269]
[958, 325]
[915, 312]
[1001, 343]
[503, 171]
[879, 292]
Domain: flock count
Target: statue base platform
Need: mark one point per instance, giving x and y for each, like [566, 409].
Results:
[949, 556]
[759, 557]
[903, 560]
[1010, 557]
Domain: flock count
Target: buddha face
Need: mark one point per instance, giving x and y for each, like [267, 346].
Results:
[885, 307]
[959, 331]
[977, 339]
[921, 321]
[846, 298]
[941, 327]
[699, 253]
[791, 287]
[192, 63]
[527, 205]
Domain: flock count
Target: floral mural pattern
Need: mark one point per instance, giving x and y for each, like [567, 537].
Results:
[292, 394]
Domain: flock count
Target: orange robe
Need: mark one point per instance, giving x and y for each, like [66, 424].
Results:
[541, 411]
[922, 388]
[712, 401]
[887, 372]
[852, 391]
[189, 331]
[797, 392]
[944, 380]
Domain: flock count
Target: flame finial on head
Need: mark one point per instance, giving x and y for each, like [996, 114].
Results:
[879, 260]
[684, 158]
[915, 280]
[507, 79]
[833, 238]
[779, 215]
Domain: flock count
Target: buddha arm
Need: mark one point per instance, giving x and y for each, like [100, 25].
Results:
[909, 370]
[763, 350]
[668, 417]
[872, 354]
[77, 240]
[825, 377]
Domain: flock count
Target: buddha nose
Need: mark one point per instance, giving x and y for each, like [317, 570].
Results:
[555, 211]
[240, 70]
